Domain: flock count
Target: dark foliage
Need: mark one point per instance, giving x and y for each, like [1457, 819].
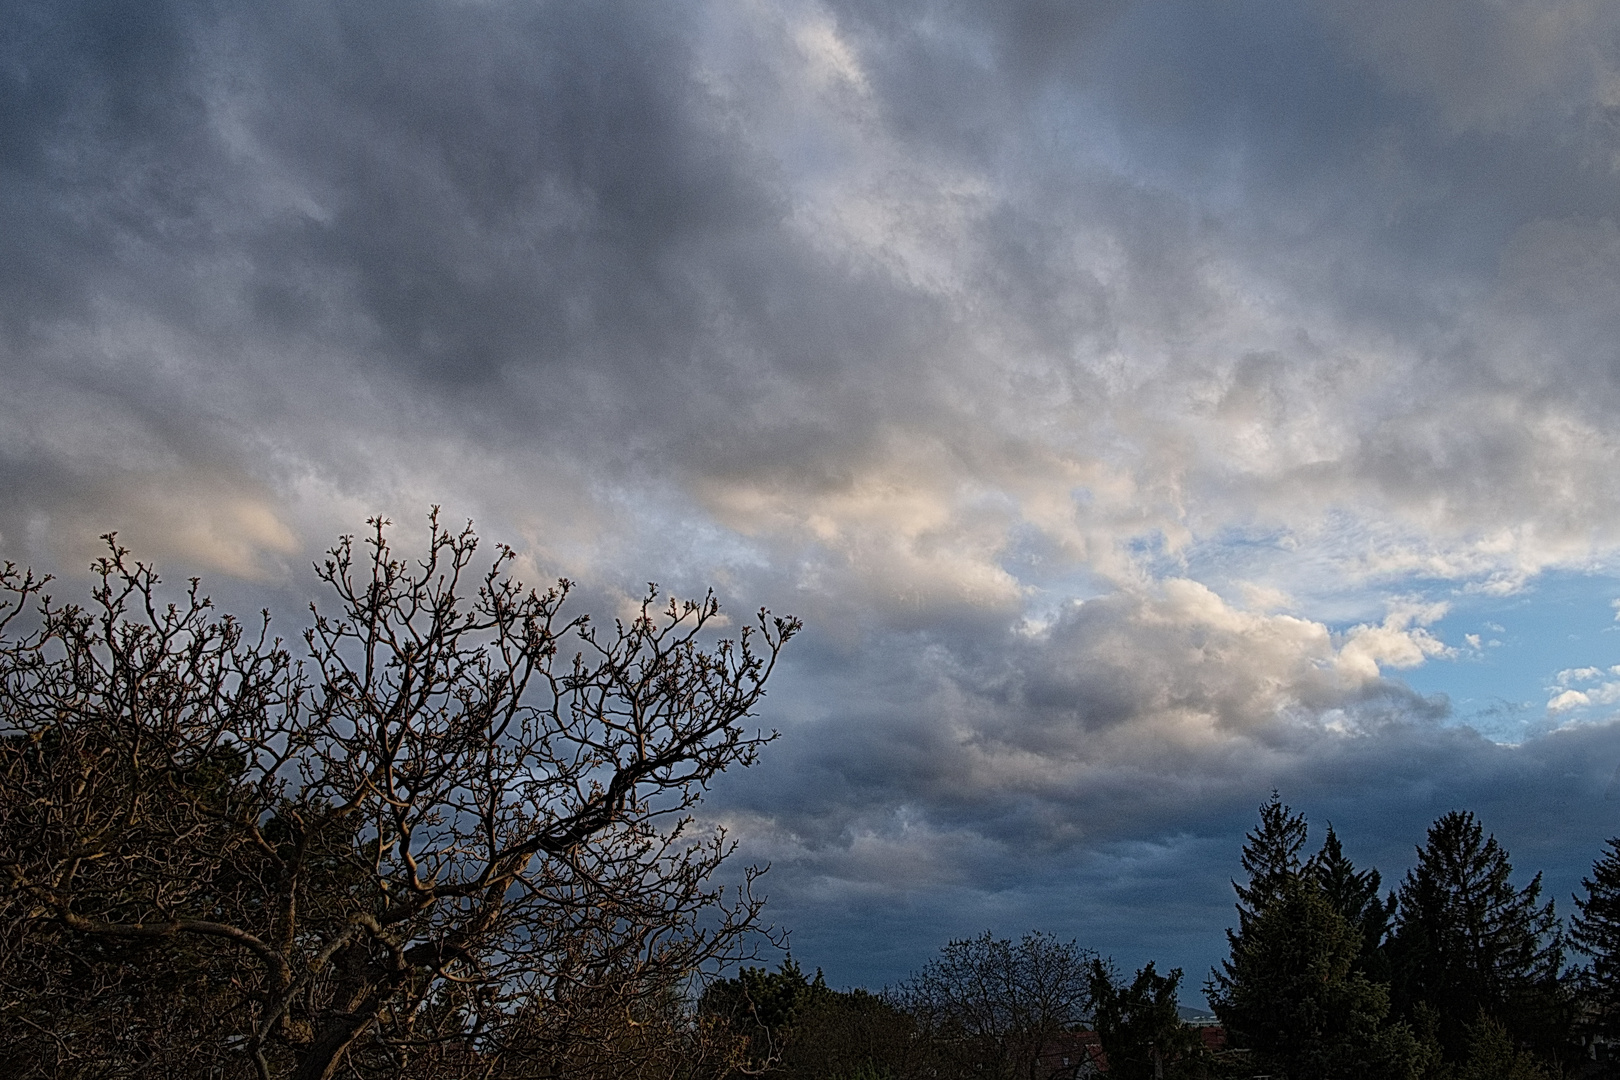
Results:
[1595, 931]
[453, 838]
[765, 1008]
[859, 1035]
[1295, 998]
[1292, 991]
[1493, 1056]
[800, 1029]
[1140, 1026]
[1270, 856]
[1354, 894]
[1468, 943]
[991, 1006]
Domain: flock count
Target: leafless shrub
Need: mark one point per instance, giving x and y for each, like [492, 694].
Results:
[992, 1006]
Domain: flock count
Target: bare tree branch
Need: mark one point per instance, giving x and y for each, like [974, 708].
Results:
[462, 818]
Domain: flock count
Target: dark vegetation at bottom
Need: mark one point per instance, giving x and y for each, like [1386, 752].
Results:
[1456, 974]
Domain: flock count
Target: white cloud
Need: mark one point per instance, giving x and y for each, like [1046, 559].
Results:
[1574, 675]
[1401, 641]
[1568, 699]
[1603, 694]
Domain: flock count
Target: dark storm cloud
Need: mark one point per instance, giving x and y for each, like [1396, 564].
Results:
[539, 217]
[1099, 728]
[582, 225]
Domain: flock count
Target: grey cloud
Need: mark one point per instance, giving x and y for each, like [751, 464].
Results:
[1092, 731]
[1487, 65]
[606, 233]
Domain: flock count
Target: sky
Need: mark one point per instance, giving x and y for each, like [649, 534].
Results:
[1146, 405]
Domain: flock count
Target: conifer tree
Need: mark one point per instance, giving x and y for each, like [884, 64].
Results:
[1467, 942]
[1595, 930]
[1140, 1027]
[1492, 1055]
[1291, 990]
[765, 1007]
[1271, 857]
[1354, 894]
[1293, 996]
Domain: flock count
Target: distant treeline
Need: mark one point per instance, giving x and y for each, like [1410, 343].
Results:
[1456, 974]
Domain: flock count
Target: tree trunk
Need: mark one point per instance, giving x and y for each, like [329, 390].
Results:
[320, 1061]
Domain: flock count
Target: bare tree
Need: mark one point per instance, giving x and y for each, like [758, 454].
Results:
[993, 1005]
[457, 831]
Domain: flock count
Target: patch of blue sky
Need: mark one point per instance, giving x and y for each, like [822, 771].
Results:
[1509, 652]
[1153, 554]
[1310, 572]
[1051, 579]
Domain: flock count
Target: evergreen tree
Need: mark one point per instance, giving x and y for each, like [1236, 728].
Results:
[1595, 930]
[1468, 943]
[1271, 857]
[1293, 995]
[1291, 990]
[1354, 894]
[765, 1007]
[797, 1028]
[1492, 1055]
[1140, 1026]
[857, 1035]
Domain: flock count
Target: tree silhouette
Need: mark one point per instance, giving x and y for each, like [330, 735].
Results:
[459, 829]
[991, 1004]
[1467, 942]
[1140, 1025]
[1271, 858]
[1595, 930]
[1354, 894]
[1292, 989]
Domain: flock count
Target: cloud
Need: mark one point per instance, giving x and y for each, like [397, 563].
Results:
[1100, 728]
[1566, 698]
[1489, 65]
[734, 251]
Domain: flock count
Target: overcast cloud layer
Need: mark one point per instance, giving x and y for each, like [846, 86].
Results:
[1122, 391]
